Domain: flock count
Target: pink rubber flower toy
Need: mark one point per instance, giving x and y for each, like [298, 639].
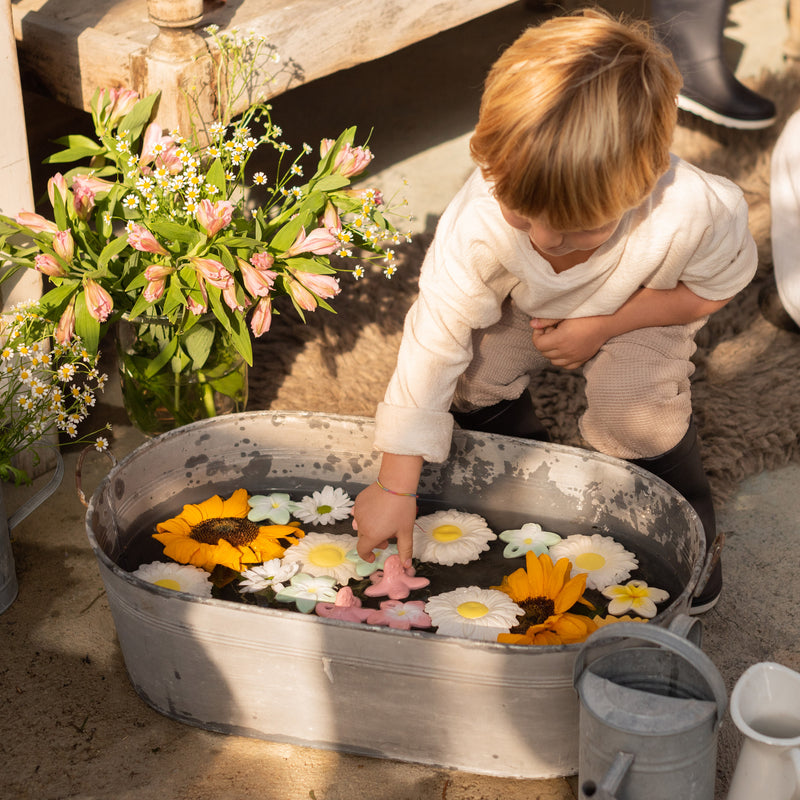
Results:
[394, 581]
[346, 607]
[402, 616]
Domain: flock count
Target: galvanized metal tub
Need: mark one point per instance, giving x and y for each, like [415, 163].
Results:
[415, 696]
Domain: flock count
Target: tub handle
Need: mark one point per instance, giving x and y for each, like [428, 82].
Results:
[712, 557]
[79, 469]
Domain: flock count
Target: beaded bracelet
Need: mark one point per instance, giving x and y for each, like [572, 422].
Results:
[392, 491]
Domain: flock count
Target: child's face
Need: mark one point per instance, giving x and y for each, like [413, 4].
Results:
[551, 242]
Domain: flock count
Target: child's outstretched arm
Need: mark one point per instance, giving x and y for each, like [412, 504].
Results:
[387, 509]
[570, 343]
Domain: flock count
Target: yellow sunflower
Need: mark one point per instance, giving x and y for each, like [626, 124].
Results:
[217, 531]
[544, 592]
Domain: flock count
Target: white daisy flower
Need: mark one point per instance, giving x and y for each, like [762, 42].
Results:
[635, 596]
[276, 507]
[451, 537]
[473, 613]
[604, 560]
[323, 507]
[324, 554]
[271, 573]
[179, 577]
[307, 590]
[529, 537]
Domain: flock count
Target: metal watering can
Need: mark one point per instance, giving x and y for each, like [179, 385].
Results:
[765, 706]
[649, 714]
[8, 574]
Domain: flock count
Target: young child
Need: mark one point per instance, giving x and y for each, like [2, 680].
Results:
[580, 242]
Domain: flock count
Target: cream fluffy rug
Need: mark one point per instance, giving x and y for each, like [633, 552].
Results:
[746, 387]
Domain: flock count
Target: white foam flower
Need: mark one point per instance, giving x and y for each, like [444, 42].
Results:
[635, 596]
[324, 554]
[604, 560]
[365, 568]
[451, 537]
[179, 577]
[276, 507]
[305, 591]
[271, 573]
[473, 613]
[325, 506]
[530, 537]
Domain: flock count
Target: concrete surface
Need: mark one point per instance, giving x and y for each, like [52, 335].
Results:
[71, 726]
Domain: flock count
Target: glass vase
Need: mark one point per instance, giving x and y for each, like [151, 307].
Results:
[160, 397]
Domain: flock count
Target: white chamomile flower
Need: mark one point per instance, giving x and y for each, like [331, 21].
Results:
[530, 537]
[473, 613]
[635, 596]
[179, 577]
[324, 554]
[325, 506]
[269, 574]
[604, 560]
[451, 537]
[276, 507]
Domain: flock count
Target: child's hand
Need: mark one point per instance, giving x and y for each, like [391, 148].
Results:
[569, 343]
[378, 517]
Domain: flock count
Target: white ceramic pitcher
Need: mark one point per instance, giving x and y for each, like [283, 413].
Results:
[765, 706]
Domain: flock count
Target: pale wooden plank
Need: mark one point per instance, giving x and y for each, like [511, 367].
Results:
[73, 46]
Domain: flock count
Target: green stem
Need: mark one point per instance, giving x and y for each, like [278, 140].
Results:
[208, 400]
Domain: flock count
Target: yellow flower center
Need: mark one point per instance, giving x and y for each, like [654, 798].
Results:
[472, 609]
[168, 583]
[589, 561]
[446, 533]
[326, 555]
[238, 531]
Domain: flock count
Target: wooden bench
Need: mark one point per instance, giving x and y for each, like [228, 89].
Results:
[75, 46]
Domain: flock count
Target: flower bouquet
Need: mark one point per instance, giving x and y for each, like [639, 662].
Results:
[160, 232]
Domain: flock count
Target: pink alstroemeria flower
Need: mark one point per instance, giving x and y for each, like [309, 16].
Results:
[156, 276]
[229, 296]
[212, 271]
[262, 317]
[140, 238]
[85, 189]
[57, 182]
[49, 265]
[351, 161]
[324, 286]
[64, 245]
[301, 295]
[98, 300]
[257, 280]
[65, 329]
[120, 102]
[36, 222]
[320, 241]
[214, 216]
[330, 219]
[154, 143]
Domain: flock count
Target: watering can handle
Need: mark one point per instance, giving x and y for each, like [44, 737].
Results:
[667, 639]
[79, 470]
[34, 502]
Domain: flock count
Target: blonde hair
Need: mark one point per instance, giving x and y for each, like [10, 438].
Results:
[576, 120]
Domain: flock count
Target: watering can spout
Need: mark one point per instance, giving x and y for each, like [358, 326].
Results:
[765, 707]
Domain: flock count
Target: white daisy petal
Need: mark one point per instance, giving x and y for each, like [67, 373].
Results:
[451, 537]
[179, 577]
[325, 506]
[271, 573]
[604, 560]
[473, 613]
[324, 554]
